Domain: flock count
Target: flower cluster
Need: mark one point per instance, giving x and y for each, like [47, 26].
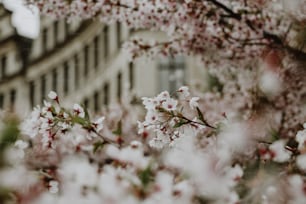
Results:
[168, 159]
[239, 141]
[52, 120]
[228, 29]
[166, 119]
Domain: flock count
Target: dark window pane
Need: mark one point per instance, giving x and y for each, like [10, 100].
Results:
[105, 41]
[86, 103]
[76, 71]
[96, 52]
[54, 80]
[1, 100]
[96, 101]
[106, 94]
[86, 60]
[43, 88]
[45, 39]
[131, 75]
[66, 78]
[118, 34]
[32, 93]
[119, 85]
[3, 66]
[171, 73]
[12, 98]
[56, 24]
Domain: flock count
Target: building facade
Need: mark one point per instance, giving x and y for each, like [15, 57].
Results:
[84, 63]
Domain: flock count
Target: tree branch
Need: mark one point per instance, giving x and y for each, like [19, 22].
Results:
[226, 9]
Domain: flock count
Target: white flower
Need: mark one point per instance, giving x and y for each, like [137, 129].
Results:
[163, 96]
[79, 110]
[140, 127]
[301, 162]
[99, 123]
[53, 186]
[301, 138]
[151, 117]
[193, 103]
[160, 140]
[149, 103]
[30, 126]
[234, 174]
[132, 154]
[280, 153]
[170, 104]
[21, 146]
[184, 91]
[270, 84]
[52, 95]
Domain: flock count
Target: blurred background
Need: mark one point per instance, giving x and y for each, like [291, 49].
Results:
[83, 61]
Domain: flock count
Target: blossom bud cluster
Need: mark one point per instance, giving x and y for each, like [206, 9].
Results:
[50, 121]
[166, 119]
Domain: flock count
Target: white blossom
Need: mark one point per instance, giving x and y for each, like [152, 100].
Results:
[301, 162]
[99, 123]
[53, 187]
[79, 111]
[184, 92]
[52, 95]
[280, 152]
[193, 103]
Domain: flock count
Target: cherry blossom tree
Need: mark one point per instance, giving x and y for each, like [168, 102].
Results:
[242, 140]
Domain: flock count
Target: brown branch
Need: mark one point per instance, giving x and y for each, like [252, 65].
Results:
[226, 9]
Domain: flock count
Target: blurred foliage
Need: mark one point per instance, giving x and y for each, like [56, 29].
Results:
[214, 84]
[8, 135]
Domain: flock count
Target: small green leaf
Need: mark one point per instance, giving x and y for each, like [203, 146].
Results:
[98, 145]
[200, 115]
[79, 120]
[180, 123]
[87, 117]
[118, 131]
[274, 135]
[146, 176]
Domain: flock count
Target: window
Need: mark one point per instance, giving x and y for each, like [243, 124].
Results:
[96, 52]
[1, 100]
[66, 28]
[32, 93]
[66, 78]
[12, 98]
[45, 39]
[76, 71]
[96, 101]
[171, 73]
[86, 103]
[86, 60]
[3, 66]
[43, 88]
[118, 25]
[54, 80]
[56, 25]
[119, 85]
[131, 75]
[106, 94]
[105, 41]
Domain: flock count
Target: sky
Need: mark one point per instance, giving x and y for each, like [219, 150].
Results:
[24, 19]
